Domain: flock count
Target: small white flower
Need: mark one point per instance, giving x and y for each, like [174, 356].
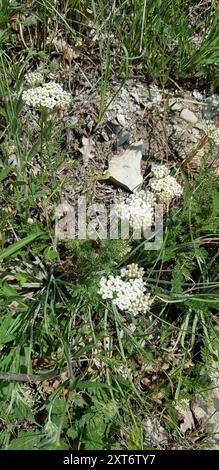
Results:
[137, 209]
[164, 185]
[49, 96]
[213, 133]
[127, 295]
[159, 171]
[34, 79]
[132, 271]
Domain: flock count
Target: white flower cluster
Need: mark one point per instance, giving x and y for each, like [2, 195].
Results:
[159, 171]
[132, 271]
[163, 184]
[34, 79]
[49, 96]
[128, 295]
[213, 133]
[137, 209]
[124, 249]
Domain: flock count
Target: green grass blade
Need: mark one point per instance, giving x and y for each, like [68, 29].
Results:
[20, 244]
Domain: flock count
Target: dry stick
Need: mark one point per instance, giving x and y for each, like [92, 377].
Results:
[9, 376]
[193, 153]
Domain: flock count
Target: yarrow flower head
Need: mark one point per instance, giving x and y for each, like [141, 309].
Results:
[128, 295]
[132, 271]
[34, 79]
[163, 184]
[213, 133]
[137, 209]
[49, 96]
[159, 171]
[125, 248]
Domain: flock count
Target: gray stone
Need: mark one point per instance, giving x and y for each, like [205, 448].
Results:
[125, 169]
[175, 105]
[121, 119]
[154, 433]
[122, 138]
[188, 116]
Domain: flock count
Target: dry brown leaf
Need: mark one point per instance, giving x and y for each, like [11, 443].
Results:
[187, 163]
[9, 277]
[13, 305]
[145, 381]
[158, 397]
[66, 50]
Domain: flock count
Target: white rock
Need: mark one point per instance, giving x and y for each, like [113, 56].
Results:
[125, 169]
[121, 119]
[175, 105]
[185, 415]
[188, 116]
[155, 434]
[197, 95]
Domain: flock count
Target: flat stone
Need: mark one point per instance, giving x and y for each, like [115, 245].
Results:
[188, 116]
[175, 105]
[113, 127]
[125, 169]
[121, 119]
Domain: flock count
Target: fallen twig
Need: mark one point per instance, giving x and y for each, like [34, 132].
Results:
[10, 376]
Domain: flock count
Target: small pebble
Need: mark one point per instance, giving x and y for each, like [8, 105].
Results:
[188, 116]
[175, 105]
[198, 96]
[121, 119]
